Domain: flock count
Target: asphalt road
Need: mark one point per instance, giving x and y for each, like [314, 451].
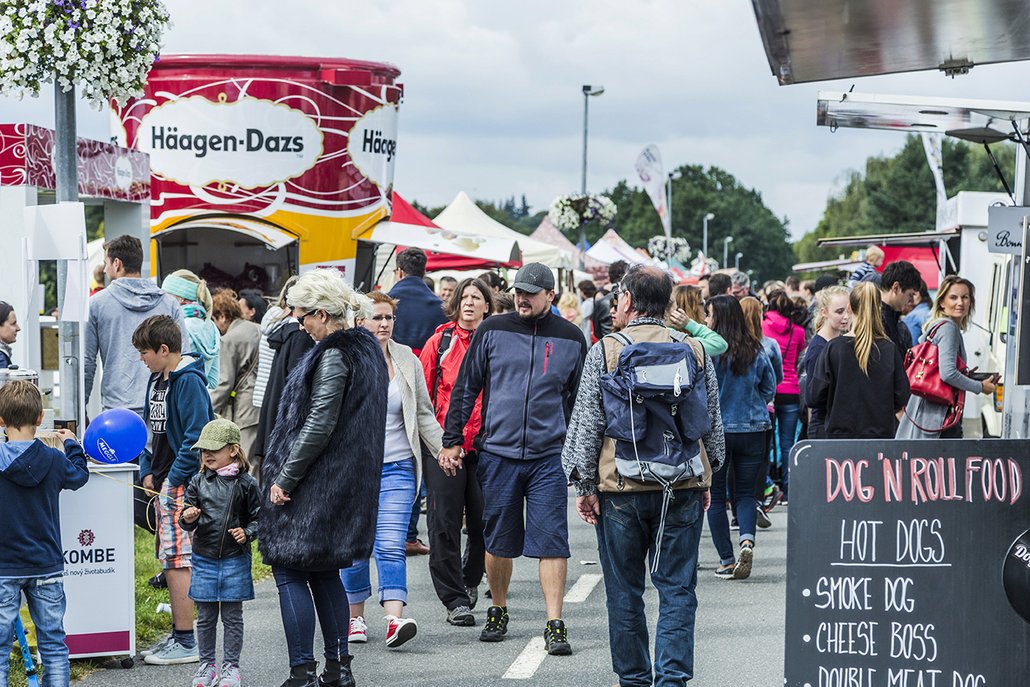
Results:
[739, 636]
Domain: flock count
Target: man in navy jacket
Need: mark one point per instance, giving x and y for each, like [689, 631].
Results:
[419, 310]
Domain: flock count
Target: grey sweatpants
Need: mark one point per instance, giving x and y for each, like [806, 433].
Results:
[232, 630]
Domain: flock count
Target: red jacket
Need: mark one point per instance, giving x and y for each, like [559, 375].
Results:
[449, 366]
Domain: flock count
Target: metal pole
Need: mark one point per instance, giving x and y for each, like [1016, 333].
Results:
[736, 261]
[583, 186]
[704, 239]
[726, 251]
[1014, 408]
[67, 190]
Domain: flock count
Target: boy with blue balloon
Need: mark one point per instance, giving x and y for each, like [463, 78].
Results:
[177, 406]
[32, 476]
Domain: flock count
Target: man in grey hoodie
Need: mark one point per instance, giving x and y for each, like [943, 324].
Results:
[114, 314]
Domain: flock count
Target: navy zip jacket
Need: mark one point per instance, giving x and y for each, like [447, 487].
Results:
[528, 372]
[188, 407]
[419, 313]
[30, 487]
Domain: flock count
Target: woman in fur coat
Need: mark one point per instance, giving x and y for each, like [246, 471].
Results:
[323, 467]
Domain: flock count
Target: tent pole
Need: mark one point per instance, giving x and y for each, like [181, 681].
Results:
[385, 263]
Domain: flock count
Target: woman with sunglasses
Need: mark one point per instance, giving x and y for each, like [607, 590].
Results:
[322, 470]
[410, 422]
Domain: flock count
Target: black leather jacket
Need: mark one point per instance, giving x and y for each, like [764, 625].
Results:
[328, 387]
[225, 503]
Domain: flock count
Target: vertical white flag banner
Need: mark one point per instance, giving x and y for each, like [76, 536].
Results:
[935, 158]
[649, 167]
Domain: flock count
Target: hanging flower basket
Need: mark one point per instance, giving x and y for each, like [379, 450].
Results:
[664, 248]
[567, 213]
[105, 47]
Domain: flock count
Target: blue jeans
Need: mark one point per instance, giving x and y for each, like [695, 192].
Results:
[787, 416]
[46, 607]
[302, 594]
[396, 491]
[626, 542]
[745, 453]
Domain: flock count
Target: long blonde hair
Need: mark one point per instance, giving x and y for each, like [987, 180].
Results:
[822, 300]
[753, 313]
[687, 298]
[937, 309]
[867, 325]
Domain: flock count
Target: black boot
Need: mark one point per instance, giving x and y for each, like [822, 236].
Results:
[337, 673]
[303, 676]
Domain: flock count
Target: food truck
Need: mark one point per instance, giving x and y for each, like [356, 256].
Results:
[263, 166]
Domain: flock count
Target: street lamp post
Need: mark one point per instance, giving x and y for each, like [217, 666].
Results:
[588, 91]
[736, 261]
[726, 251]
[704, 238]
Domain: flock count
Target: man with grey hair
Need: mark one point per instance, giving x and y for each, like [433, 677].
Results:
[634, 519]
[740, 285]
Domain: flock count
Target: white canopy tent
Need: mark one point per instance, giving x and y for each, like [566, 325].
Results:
[611, 247]
[464, 216]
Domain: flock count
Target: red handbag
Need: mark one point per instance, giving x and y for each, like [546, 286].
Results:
[922, 365]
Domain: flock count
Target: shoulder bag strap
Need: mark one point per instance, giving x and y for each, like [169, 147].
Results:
[445, 342]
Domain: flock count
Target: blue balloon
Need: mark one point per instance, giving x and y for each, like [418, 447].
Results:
[115, 436]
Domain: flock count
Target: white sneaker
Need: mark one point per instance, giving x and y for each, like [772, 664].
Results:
[230, 676]
[358, 633]
[157, 647]
[173, 654]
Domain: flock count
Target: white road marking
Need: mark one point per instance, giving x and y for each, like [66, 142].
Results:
[581, 590]
[527, 663]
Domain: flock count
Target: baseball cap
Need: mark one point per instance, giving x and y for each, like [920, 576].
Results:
[534, 278]
[217, 434]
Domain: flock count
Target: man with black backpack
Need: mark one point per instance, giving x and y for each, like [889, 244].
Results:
[644, 439]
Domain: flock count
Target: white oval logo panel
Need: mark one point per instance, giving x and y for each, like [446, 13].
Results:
[372, 145]
[249, 142]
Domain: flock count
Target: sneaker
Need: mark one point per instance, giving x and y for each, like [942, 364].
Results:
[742, 570]
[556, 639]
[496, 625]
[158, 581]
[230, 676]
[763, 520]
[172, 654]
[358, 633]
[734, 525]
[157, 647]
[473, 593]
[461, 616]
[725, 573]
[772, 498]
[399, 630]
[206, 676]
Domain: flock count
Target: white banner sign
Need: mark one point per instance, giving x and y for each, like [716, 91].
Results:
[250, 143]
[649, 167]
[1005, 229]
[372, 145]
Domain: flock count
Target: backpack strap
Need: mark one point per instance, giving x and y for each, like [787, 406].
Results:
[622, 338]
[445, 343]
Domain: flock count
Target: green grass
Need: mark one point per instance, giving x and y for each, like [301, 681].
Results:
[150, 625]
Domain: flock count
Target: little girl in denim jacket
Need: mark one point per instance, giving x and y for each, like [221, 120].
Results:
[222, 502]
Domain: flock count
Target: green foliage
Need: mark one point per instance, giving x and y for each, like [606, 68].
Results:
[897, 194]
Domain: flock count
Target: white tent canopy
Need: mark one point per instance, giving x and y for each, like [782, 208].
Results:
[611, 247]
[464, 216]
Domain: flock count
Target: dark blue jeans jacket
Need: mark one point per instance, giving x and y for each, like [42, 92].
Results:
[626, 543]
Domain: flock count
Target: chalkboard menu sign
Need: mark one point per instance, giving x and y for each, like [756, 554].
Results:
[908, 564]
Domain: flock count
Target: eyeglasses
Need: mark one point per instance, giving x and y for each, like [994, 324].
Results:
[381, 318]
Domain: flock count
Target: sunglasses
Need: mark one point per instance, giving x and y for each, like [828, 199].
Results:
[300, 318]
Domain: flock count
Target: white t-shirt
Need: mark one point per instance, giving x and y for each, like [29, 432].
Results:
[397, 447]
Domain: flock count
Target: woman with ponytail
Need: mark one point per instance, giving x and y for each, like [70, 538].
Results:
[949, 316]
[832, 319]
[859, 382]
[196, 305]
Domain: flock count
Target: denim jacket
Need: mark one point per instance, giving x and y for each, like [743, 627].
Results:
[744, 399]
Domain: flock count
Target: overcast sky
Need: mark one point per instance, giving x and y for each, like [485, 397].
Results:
[493, 103]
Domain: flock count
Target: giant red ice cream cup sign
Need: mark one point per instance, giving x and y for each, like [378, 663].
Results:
[307, 145]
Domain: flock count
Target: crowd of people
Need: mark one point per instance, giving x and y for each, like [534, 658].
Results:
[660, 405]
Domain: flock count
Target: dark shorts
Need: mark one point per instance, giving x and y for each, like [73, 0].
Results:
[524, 507]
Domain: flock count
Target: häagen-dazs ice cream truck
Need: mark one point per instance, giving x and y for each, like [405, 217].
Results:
[265, 165]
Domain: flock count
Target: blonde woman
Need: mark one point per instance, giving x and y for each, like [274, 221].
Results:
[952, 309]
[323, 468]
[859, 381]
[687, 312]
[832, 319]
[197, 307]
[410, 422]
